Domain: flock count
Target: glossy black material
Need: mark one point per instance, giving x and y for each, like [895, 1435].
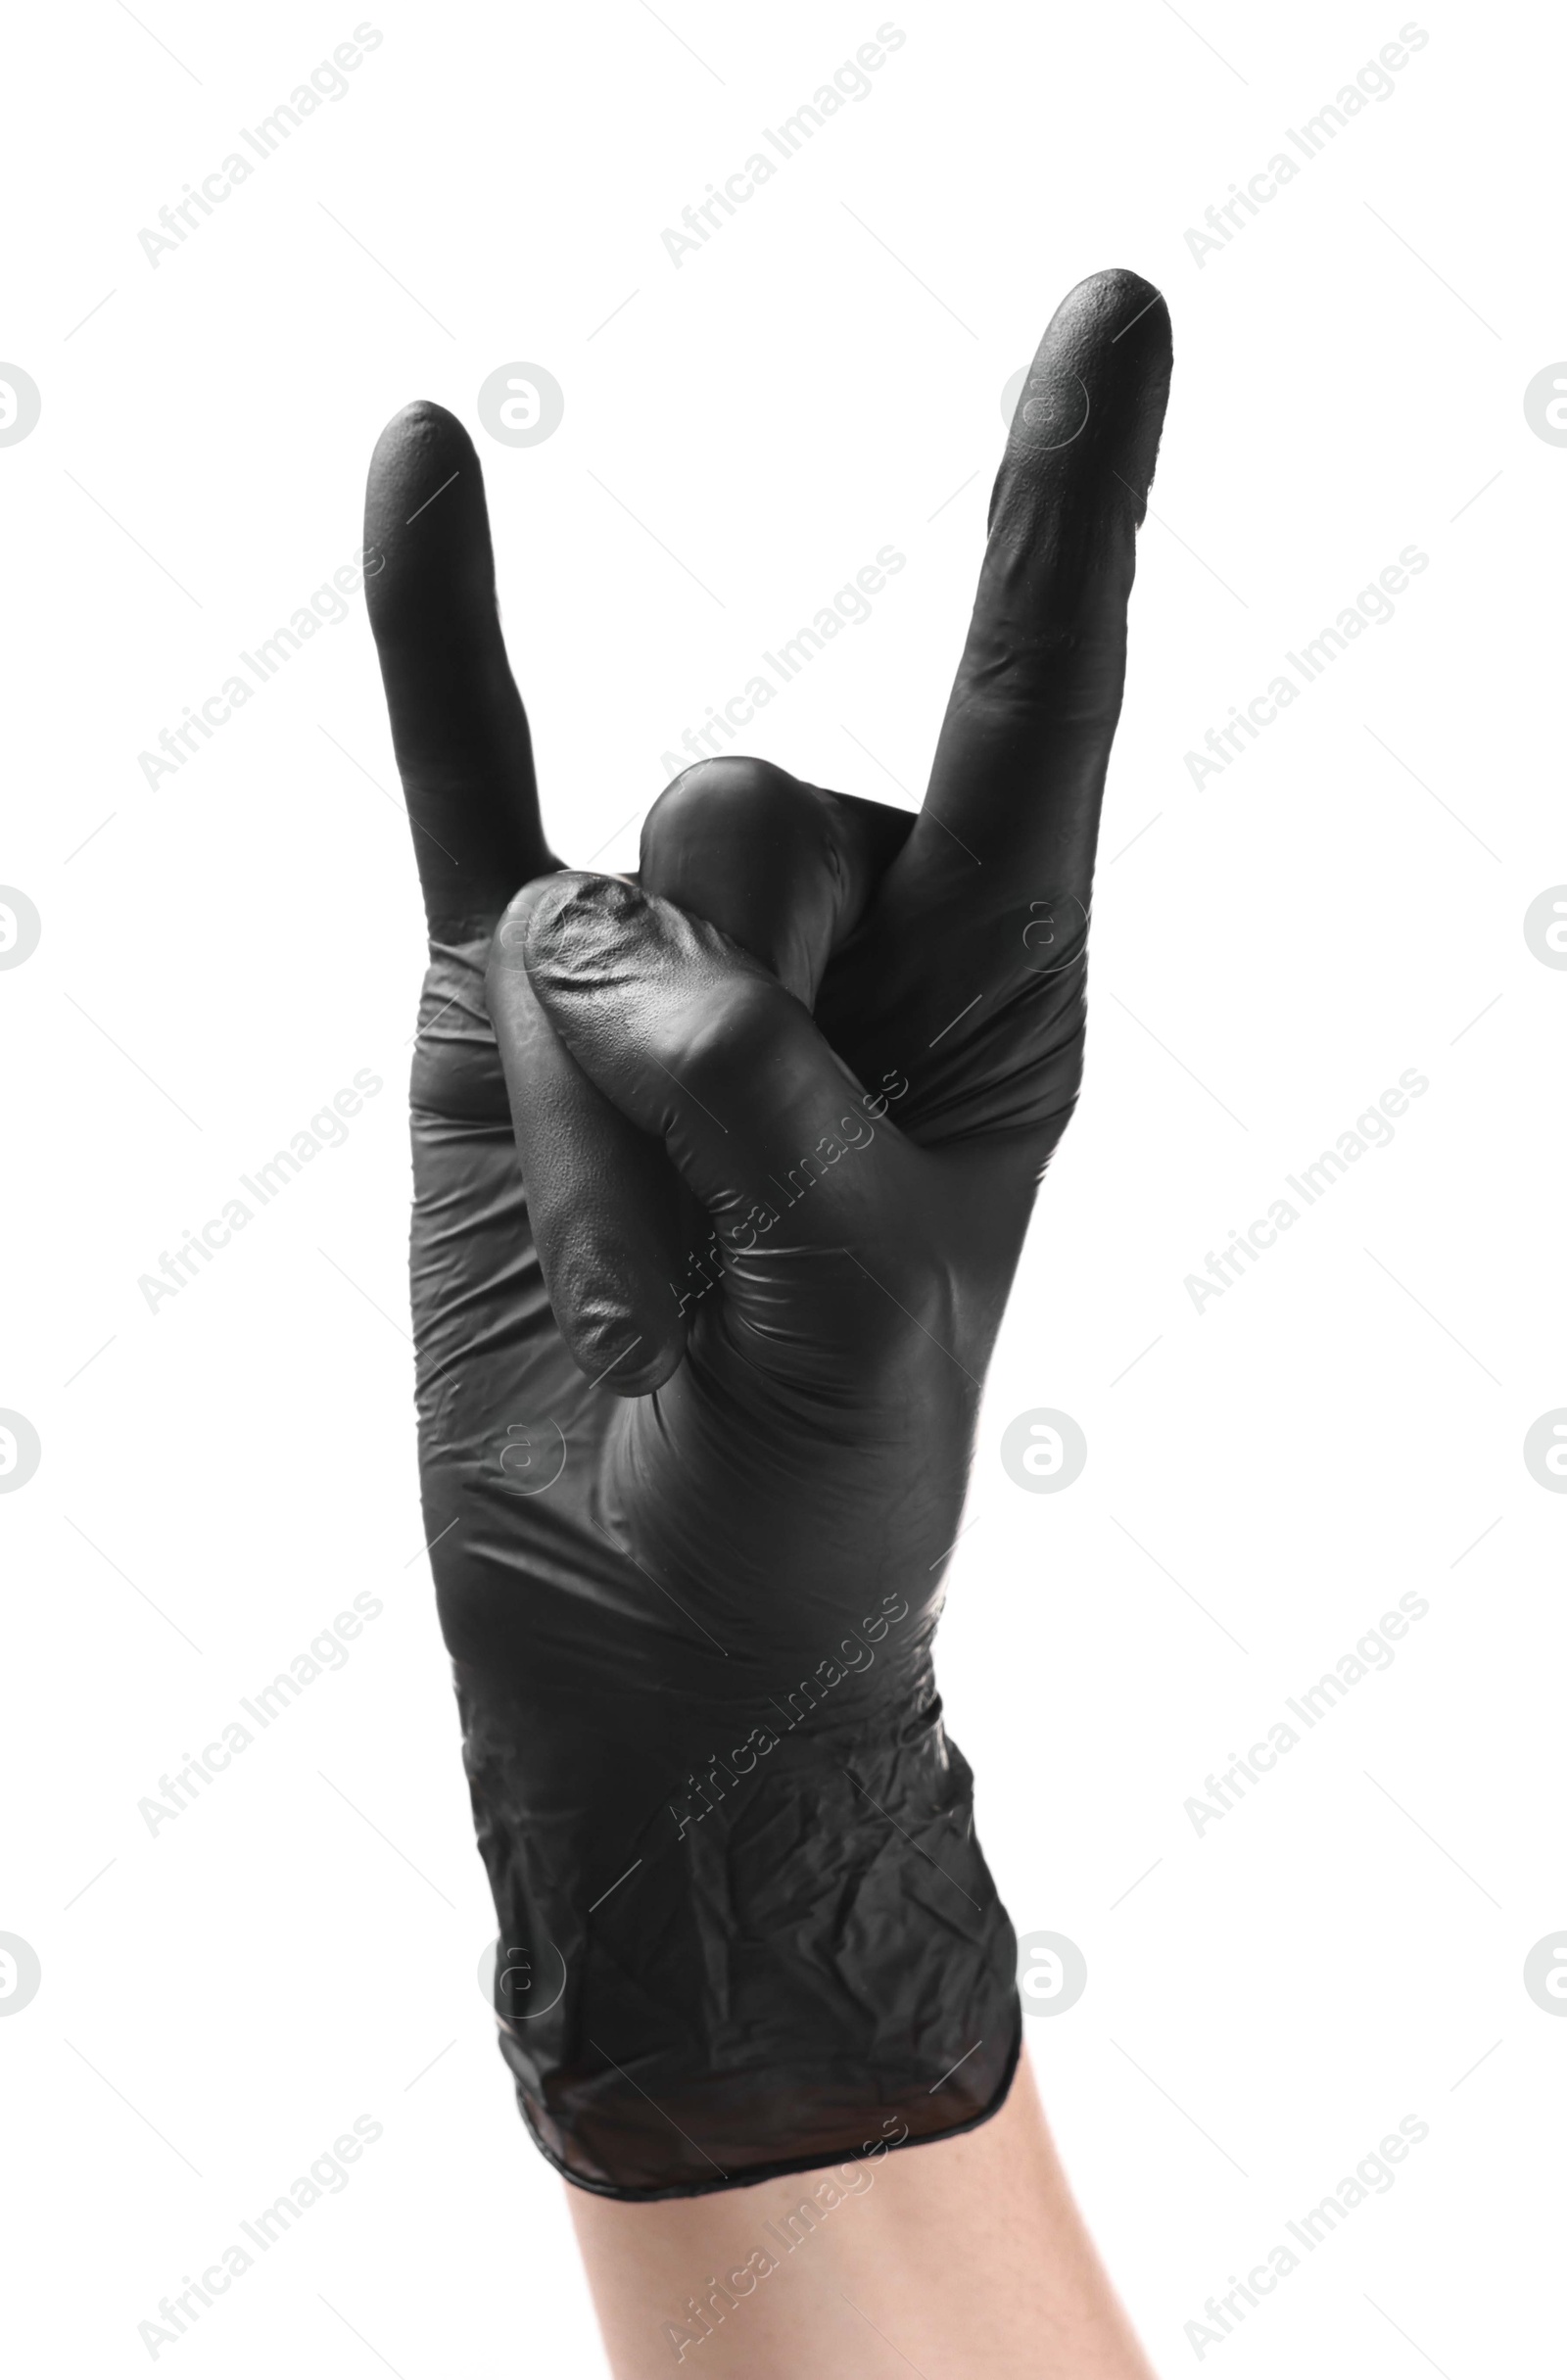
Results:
[721, 1178]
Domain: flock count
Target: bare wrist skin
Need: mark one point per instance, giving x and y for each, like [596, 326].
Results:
[965, 2259]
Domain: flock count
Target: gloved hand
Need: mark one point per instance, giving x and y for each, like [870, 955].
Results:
[721, 1177]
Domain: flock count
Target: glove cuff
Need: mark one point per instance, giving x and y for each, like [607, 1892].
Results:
[809, 1968]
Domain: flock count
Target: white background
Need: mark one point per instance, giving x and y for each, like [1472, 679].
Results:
[220, 954]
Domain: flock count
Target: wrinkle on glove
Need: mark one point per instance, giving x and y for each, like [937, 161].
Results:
[721, 1177]
[744, 1924]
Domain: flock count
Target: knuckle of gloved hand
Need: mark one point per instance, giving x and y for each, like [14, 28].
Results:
[752, 850]
[723, 1042]
[565, 922]
[905, 1314]
[689, 799]
[918, 1269]
[508, 943]
[732, 795]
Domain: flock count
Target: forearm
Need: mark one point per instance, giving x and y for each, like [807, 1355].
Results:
[961, 2260]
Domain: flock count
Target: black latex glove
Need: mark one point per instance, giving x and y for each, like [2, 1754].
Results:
[721, 1177]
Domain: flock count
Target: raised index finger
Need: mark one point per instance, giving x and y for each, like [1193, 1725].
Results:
[457, 722]
[1019, 766]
